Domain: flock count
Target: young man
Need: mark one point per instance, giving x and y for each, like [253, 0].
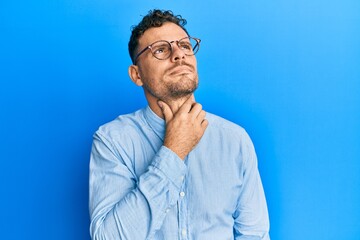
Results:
[171, 171]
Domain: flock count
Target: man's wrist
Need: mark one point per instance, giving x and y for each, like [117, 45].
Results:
[169, 163]
[176, 150]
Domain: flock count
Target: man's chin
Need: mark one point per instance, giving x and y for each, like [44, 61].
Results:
[178, 95]
[182, 91]
[182, 85]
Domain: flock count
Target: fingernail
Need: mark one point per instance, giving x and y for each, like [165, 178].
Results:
[160, 104]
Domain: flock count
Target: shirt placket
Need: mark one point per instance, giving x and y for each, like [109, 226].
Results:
[183, 216]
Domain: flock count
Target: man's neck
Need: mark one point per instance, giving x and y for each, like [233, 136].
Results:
[173, 104]
[176, 104]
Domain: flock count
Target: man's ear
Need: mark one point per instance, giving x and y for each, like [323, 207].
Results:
[134, 75]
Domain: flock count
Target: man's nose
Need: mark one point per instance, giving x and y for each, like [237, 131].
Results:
[177, 54]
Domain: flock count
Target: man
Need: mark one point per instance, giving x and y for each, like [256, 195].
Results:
[171, 171]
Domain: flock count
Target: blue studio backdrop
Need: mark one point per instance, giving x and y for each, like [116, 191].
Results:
[287, 71]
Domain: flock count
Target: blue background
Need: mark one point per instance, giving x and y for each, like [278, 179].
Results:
[288, 71]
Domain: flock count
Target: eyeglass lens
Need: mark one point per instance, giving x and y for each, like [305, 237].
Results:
[162, 49]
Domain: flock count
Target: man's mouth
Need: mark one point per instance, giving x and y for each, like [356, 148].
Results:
[181, 69]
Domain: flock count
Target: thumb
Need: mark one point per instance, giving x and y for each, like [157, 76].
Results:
[166, 110]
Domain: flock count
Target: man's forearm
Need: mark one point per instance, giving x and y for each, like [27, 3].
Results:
[122, 209]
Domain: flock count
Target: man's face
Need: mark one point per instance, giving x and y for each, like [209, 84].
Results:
[168, 79]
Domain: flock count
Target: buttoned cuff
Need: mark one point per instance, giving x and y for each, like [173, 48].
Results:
[171, 165]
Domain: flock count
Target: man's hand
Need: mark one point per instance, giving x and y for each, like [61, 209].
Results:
[185, 128]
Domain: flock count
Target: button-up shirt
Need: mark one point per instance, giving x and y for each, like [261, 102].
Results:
[140, 189]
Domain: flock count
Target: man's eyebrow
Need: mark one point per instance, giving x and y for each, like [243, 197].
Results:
[161, 43]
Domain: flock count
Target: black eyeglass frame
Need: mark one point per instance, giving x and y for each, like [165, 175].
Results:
[197, 47]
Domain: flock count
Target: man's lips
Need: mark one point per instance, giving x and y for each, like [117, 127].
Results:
[181, 69]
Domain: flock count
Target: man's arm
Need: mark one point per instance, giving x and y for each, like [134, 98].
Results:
[251, 216]
[122, 207]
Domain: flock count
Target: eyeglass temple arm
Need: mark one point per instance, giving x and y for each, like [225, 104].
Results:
[138, 55]
[197, 42]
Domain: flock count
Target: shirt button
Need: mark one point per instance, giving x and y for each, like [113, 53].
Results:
[183, 232]
[167, 210]
[182, 194]
[182, 178]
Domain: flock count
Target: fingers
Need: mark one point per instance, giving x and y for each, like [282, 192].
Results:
[201, 118]
[166, 110]
[201, 115]
[186, 107]
[189, 110]
[196, 109]
[195, 112]
[204, 124]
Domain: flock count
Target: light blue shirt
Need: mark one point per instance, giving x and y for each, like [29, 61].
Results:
[139, 189]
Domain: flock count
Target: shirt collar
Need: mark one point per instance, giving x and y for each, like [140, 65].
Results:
[156, 123]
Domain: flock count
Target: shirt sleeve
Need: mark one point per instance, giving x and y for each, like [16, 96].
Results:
[122, 207]
[251, 216]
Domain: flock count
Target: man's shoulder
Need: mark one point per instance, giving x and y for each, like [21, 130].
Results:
[221, 123]
[123, 124]
[226, 130]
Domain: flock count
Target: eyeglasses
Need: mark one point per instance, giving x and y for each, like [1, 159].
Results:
[163, 49]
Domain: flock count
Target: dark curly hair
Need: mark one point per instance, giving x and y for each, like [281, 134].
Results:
[155, 18]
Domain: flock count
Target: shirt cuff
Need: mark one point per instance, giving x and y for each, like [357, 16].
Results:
[171, 165]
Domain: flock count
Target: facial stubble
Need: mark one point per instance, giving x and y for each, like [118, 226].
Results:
[174, 89]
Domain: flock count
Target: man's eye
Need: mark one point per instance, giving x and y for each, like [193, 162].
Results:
[185, 46]
[160, 50]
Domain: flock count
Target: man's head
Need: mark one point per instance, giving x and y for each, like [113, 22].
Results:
[155, 18]
[167, 72]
